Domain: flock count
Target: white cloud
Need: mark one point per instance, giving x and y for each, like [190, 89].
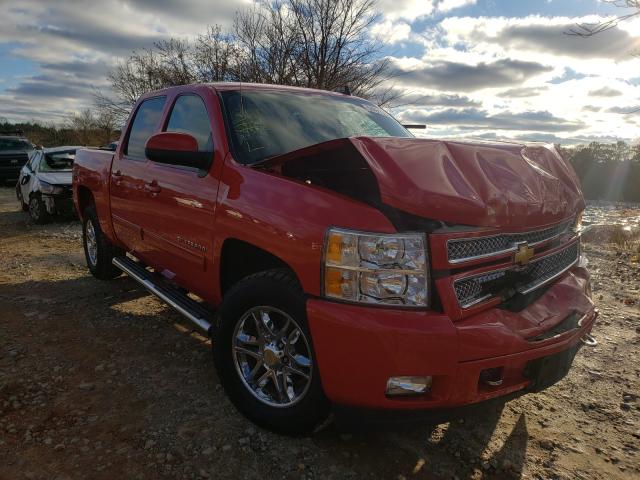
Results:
[447, 5]
[537, 34]
[391, 32]
[406, 9]
[73, 43]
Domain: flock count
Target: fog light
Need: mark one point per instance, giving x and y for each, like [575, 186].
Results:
[491, 377]
[408, 385]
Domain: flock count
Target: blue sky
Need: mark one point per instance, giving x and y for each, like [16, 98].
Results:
[466, 68]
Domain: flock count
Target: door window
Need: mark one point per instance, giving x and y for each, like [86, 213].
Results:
[143, 126]
[189, 115]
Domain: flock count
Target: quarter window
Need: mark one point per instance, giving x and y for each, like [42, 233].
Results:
[189, 115]
[144, 124]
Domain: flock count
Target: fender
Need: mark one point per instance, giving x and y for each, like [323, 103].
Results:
[260, 207]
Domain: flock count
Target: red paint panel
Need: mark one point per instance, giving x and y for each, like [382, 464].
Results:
[177, 142]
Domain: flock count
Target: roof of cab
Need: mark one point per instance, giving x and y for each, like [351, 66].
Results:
[225, 86]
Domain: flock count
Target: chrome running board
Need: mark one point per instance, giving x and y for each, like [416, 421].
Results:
[189, 308]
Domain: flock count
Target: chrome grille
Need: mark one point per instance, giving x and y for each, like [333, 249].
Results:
[549, 267]
[475, 289]
[470, 248]
[9, 158]
[472, 290]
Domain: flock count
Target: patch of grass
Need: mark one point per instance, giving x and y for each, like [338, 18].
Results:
[623, 238]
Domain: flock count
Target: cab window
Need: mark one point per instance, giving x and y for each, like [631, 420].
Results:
[144, 125]
[189, 115]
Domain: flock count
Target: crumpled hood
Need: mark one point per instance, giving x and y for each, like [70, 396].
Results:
[56, 178]
[480, 184]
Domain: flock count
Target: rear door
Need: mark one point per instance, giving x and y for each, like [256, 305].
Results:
[130, 204]
[179, 234]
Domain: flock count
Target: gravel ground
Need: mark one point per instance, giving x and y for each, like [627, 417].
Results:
[99, 380]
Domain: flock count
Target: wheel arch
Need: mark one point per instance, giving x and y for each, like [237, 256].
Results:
[85, 199]
[239, 259]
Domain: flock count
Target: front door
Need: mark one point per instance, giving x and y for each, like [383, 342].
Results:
[130, 203]
[179, 235]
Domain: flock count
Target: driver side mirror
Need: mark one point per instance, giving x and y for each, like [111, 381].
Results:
[175, 148]
[25, 179]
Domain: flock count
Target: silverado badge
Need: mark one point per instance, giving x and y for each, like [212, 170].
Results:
[523, 254]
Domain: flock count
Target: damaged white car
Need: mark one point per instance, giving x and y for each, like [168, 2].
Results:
[44, 185]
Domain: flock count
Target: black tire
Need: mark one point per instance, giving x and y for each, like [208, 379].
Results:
[24, 206]
[99, 261]
[279, 290]
[38, 210]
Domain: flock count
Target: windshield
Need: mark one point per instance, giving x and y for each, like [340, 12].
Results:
[58, 162]
[264, 124]
[14, 144]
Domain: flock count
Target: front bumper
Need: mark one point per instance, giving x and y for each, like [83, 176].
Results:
[359, 348]
[59, 204]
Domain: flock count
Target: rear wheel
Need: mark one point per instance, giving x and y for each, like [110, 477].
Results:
[264, 354]
[98, 250]
[38, 210]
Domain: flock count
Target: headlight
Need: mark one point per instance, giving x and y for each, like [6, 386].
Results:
[577, 226]
[386, 269]
[50, 189]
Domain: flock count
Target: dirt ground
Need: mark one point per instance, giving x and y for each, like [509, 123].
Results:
[99, 380]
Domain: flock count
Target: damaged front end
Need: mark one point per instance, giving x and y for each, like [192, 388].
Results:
[58, 199]
[501, 217]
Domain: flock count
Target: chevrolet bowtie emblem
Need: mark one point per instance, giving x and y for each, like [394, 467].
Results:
[523, 254]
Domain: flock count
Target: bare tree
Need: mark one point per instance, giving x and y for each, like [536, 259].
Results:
[82, 124]
[269, 42]
[214, 56]
[174, 66]
[144, 71]
[336, 49]
[591, 29]
[106, 121]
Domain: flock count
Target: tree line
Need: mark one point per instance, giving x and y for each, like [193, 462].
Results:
[87, 128]
[607, 171]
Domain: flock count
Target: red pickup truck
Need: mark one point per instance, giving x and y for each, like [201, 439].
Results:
[335, 259]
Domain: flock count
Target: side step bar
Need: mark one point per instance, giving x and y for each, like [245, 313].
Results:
[192, 310]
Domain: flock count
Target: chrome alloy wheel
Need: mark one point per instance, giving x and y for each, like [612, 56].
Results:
[272, 356]
[92, 244]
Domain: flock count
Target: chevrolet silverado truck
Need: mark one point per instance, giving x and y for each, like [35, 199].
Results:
[335, 260]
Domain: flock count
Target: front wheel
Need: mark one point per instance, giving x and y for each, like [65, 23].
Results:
[98, 251]
[264, 354]
[38, 210]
